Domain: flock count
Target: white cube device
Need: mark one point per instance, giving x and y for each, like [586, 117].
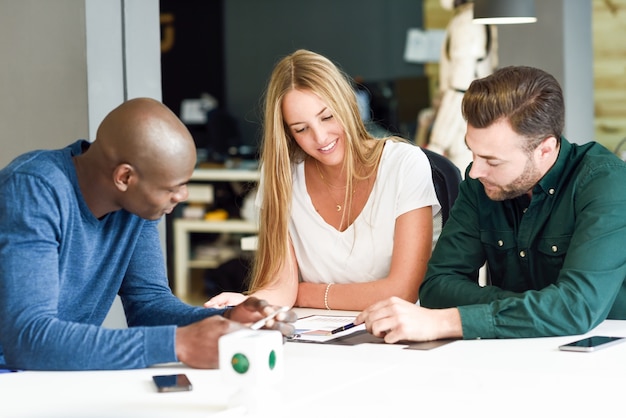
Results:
[248, 357]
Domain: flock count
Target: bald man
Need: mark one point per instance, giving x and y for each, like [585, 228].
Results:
[79, 226]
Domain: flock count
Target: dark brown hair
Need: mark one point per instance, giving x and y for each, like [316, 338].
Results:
[529, 98]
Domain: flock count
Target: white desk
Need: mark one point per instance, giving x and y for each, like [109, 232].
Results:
[486, 378]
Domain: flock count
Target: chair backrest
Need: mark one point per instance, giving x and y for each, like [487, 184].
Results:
[446, 178]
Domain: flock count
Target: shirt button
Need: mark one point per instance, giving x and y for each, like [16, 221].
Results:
[500, 243]
[522, 253]
[551, 191]
[555, 248]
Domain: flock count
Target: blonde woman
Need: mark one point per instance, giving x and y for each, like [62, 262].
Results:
[345, 219]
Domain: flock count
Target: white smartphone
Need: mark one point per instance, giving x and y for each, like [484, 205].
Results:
[592, 343]
[172, 383]
[261, 322]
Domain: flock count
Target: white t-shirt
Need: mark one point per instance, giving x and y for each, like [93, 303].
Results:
[362, 253]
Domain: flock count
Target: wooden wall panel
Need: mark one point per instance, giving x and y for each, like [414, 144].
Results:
[609, 49]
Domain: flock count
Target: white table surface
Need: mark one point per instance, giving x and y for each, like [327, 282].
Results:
[486, 378]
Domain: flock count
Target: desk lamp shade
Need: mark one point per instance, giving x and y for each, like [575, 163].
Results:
[504, 12]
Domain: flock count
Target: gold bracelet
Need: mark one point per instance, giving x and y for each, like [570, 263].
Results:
[326, 295]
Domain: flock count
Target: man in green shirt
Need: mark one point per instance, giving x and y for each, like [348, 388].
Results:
[548, 217]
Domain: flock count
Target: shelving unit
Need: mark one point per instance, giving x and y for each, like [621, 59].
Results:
[183, 228]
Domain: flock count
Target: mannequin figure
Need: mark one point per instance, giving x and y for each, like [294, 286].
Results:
[469, 52]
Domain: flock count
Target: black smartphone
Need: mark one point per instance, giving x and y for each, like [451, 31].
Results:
[592, 343]
[172, 383]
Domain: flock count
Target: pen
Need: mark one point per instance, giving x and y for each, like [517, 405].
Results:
[260, 323]
[343, 328]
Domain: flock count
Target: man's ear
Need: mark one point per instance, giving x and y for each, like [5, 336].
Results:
[547, 147]
[123, 176]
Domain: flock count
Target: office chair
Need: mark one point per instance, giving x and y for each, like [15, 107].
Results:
[446, 179]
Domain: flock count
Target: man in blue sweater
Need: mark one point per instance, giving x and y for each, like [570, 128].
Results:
[79, 226]
[548, 216]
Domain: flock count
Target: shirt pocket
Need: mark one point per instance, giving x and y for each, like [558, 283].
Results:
[498, 241]
[501, 252]
[552, 251]
[554, 246]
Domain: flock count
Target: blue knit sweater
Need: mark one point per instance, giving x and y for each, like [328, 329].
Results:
[60, 269]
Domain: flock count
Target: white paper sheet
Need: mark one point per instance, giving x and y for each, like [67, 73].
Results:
[318, 327]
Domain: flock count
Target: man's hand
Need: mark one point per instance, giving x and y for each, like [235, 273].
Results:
[196, 344]
[253, 309]
[395, 319]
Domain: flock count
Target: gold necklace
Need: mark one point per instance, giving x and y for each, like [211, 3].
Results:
[328, 187]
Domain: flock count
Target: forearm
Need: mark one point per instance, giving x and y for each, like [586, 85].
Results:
[282, 291]
[59, 345]
[349, 297]
[449, 324]
[451, 290]
[277, 296]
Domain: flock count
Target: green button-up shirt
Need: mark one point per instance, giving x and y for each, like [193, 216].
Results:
[557, 263]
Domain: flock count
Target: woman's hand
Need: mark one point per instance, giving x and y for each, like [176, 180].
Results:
[225, 299]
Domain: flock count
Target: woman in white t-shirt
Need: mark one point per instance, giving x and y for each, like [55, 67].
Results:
[345, 219]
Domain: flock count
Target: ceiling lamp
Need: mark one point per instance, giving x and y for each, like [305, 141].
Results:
[504, 12]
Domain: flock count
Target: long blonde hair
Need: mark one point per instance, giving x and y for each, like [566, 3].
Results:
[303, 70]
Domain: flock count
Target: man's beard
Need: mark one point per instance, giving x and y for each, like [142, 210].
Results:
[521, 185]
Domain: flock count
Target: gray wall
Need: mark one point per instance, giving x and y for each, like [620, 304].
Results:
[43, 75]
[67, 63]
[365, 37]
